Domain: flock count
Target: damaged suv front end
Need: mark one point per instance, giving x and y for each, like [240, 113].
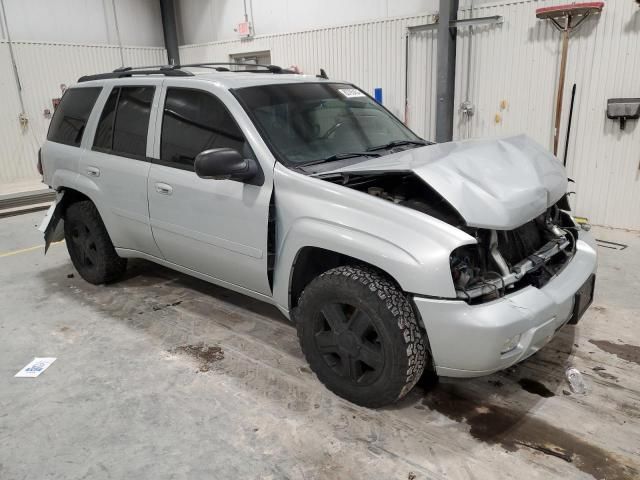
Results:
[515, 289]
[529, 269]
[477, 232]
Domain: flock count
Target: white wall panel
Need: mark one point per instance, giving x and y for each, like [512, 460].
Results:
[517, 63]
[368, 54]
[84, 21]
[421, 105]
[203, 21]
[43, 67]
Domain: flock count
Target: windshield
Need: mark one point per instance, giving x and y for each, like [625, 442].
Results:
[315, 122]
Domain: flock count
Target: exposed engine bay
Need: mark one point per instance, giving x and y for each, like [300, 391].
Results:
[402, 188]
[505, 261]
[502, 261]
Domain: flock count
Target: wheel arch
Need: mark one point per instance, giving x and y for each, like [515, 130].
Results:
[312, 261]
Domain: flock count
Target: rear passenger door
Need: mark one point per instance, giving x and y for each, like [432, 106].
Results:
[117, 163]
[215, 227]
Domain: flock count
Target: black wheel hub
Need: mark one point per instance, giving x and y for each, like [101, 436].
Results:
[349, 343]
[84, 245]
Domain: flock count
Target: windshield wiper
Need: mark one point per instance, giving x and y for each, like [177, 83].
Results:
[339, 156]
[398, 143]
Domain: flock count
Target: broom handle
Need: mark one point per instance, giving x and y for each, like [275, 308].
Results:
[563, 69]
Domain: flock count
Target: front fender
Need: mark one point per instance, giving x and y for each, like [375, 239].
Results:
[410, 246]
[402, 265]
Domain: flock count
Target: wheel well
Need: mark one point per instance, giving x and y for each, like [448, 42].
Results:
[72, 196]
[313, 261]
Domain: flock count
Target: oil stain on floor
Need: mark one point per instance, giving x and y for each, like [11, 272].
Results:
[513, 429]
[205, 354]
[535, 387]
[630, 353]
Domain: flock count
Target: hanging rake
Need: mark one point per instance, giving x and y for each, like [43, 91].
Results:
[566, 18]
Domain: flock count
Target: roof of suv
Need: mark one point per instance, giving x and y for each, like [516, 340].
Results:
[227, 79]
[248, 79]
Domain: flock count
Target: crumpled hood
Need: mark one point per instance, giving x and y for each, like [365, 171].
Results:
[497, 184]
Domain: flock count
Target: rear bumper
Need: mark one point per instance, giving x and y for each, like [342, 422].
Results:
[466, 340]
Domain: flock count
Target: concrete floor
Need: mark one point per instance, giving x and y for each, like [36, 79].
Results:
[164, 376]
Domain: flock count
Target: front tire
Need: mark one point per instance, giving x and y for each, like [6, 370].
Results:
[360, 336]
[89, 245]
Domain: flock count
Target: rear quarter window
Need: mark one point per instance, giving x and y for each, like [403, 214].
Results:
[70, 119]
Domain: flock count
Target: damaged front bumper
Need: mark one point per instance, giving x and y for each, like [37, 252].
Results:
[473, 340]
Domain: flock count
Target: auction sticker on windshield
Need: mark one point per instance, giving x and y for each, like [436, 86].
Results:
[351, 92]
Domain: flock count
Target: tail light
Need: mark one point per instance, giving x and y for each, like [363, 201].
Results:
[39, 165]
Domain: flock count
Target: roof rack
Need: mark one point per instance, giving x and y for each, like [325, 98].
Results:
[175, 70]
[221, 66]
[167, 70]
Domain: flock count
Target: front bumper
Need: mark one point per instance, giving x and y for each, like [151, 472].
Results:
[466, 340]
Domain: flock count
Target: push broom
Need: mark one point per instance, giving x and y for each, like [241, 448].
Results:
[566, 18]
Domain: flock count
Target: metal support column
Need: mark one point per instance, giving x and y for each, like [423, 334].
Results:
[446, 74]
[167, 10]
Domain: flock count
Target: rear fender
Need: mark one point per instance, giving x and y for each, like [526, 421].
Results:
[51, 226]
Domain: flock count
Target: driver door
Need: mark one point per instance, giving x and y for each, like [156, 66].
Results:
[214, 227]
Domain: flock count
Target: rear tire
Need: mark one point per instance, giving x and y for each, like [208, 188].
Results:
[360, 336]
[89, 245]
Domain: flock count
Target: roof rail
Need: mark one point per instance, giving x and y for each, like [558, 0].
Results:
[122, 72]
[175, 70]
[269, 68]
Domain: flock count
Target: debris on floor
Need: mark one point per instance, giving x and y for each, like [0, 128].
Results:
[166, 305]
[35, 367]
[611, 245]
[576, 382]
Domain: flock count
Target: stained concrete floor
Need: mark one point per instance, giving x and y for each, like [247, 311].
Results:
[164, 376]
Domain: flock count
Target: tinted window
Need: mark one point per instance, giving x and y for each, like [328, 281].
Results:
[70, 119]
[124, 122]
[104, 133]
[194, 121]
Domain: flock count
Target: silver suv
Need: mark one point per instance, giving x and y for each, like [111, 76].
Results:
[393, 256]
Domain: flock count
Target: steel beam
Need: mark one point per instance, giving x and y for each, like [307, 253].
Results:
[167, 10]
[446, 70]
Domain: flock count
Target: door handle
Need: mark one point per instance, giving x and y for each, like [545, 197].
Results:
[164, 189]
[93, 171]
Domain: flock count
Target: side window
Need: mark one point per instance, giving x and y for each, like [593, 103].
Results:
[104, 133]
[124, 122]
[194, 121]
[70, 119]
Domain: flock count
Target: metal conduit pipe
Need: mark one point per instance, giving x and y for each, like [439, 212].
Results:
[115, 21]
[23, 113]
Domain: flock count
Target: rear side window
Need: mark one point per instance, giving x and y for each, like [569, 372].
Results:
[69, 121]
[123, 125]
[194, 121]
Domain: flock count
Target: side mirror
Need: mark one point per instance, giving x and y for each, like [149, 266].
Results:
[226, 164]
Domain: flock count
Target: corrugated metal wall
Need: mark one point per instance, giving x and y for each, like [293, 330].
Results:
[516, 65]
[368, 54]
[512, 82]
[421, 101]
[43, 67]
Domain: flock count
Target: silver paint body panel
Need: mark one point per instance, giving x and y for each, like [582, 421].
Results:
[495, 184]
